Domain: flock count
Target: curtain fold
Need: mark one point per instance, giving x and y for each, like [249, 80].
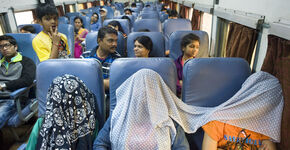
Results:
[277, 63]
[241, 41]
[60, 10]
[182, 11]
[195, 20]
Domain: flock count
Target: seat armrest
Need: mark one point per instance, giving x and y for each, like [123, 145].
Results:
[18, 92]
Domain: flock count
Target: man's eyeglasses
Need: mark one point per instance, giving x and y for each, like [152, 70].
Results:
[7, 45]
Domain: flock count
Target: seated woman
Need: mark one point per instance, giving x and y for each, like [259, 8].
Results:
[80, 36]
[147, 113]
[70, 121]
[190, 47]
[142, 46]
[117, 26]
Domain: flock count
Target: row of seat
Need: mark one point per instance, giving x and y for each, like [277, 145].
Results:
[207, 81]
[158, 40]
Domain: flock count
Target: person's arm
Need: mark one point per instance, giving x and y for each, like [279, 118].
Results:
[267, 145]
[180, 141]
[26, 78]
[55, 37]
[102, 142]
[208, 143]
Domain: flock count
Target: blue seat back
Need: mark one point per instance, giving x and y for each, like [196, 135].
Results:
[63, 20]
[122, 68]
[157, 40]
[210, 82]
[88, 70]
[175, 40]
[68, 31]
[131, 17]
[149, 16]
[110, 12]
[137, 10]
[69, 15]
[38, 28]
[163, 17]
[92, 42]
[154, 25]
[124, 23]
[86, 21]
[24, 42]
[172, 25]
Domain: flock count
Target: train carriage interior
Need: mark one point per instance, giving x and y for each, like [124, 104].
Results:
[228, 42]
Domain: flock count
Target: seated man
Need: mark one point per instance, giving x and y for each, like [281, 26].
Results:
[49, 43]
[16, 72]
[95, 24]
[105, 52]
[128, 11]
[103, 13]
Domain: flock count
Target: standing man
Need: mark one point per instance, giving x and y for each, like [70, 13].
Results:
[16, 71]
[105, 52]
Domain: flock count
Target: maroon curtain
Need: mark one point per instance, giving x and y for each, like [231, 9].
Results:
[195, 20]
[277, 63]
[241, 41]
[60, 10]
[182, 11]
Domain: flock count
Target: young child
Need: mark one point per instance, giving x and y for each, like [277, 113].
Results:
[190, 47]
[49, 43]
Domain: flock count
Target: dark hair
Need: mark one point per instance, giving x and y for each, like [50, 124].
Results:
[126, 17]
[133, 5]
[96, 14]
[29, 28]
[115, 23]
[106, 30]
[78, 17]
[47, 8]
[187, 39]
[163, 8]
[143, 30]
[172, 13]
[145, 41]
[8, 38]
[147, 5]
[127, 9]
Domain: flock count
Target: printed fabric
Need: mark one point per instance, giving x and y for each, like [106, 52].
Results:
[232, 137]
[69, 120]
[146, 107]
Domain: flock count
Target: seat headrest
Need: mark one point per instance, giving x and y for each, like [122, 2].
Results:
[154, 25]
[88, 70]
[175, 40]
[157, 40]
[24, 43]
[209, 82]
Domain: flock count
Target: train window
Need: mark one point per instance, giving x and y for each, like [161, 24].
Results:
[72, 8]
[222, 31]
[4, 27]
[25, 17]
[80, 6]
[89, 5]
[206, 24]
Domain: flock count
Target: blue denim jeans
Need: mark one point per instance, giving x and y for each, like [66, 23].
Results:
[7, 109]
